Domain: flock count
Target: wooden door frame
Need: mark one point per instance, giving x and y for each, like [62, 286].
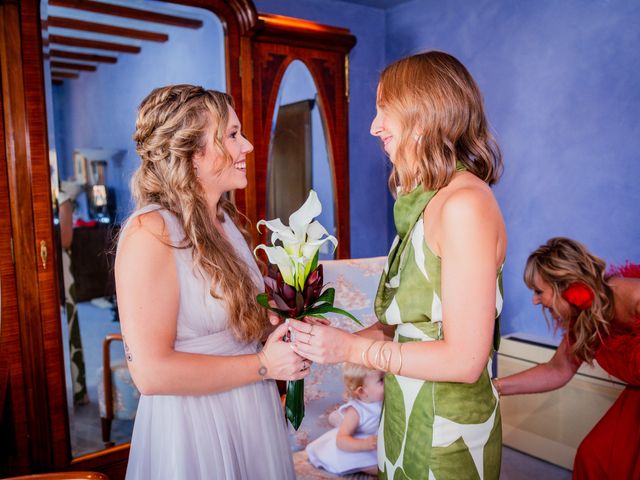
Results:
[37, 370]
[31, 326]
[324, 50]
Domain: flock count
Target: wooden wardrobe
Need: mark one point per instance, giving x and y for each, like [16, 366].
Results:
[34, 427]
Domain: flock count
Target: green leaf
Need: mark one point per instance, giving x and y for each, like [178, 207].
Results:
[314, 262]
[346, 314]
[263, 300]
[294, 402]
[324, 308]
[328, 296]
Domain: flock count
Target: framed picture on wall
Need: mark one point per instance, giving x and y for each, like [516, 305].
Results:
[80, 167]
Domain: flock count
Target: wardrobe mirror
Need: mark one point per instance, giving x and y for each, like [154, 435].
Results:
[99, 63]
[299, 152]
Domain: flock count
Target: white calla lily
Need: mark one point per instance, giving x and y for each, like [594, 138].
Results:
[301, 240]
[300, 219]
[285, 263]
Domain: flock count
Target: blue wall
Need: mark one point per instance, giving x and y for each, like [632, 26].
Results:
[561, 86]
[370, 198]
[562, 89]
[98, 110]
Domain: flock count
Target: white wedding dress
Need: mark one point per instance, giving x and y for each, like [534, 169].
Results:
[237, 434]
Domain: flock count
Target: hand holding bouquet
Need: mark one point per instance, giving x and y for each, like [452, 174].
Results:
[296, 289]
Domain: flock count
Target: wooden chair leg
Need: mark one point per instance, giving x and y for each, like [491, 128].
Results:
[106, 431]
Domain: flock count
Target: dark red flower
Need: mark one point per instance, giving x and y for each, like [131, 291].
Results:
[284, 295]
[579, 295]
[287, 298]
[313, 287]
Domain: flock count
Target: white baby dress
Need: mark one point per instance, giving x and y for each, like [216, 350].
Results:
[324, 453]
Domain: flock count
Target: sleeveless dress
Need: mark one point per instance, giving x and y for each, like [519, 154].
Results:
[323, 452]
[236, 434]
[430, 430]
[611, 450]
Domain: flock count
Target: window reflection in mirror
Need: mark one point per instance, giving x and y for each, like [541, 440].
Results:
[95, 78]
[299, 157]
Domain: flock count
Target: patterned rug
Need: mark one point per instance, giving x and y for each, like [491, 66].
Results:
[306, 471]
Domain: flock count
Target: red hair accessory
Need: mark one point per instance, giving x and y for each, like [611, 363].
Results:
[578, 294]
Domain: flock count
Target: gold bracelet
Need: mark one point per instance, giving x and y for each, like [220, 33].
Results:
[364, 355]
[382, 359]
[496, 384]
[376, 359]
[400, 366]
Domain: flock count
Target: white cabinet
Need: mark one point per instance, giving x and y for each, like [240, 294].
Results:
[551, 425]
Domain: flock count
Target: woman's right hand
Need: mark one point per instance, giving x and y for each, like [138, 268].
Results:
[281, 361]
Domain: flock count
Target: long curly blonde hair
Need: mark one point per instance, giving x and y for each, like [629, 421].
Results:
[434, 96]
[171, 127]
[561, 262]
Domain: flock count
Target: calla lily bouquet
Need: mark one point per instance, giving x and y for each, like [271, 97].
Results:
[296, 289]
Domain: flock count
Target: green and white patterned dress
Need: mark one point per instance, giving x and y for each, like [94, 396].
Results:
[430, 430]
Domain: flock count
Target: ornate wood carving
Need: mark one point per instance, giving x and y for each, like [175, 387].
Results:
[327, 72]
[278, 41]
[273, 67]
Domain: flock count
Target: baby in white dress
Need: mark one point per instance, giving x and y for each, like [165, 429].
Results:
[351, 447]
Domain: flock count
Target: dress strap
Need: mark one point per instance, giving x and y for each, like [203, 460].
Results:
[141, 211]
[407, 210]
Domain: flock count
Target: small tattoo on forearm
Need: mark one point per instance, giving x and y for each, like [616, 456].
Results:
[127, 351]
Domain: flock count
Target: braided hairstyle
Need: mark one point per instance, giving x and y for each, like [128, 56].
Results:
[171, 127]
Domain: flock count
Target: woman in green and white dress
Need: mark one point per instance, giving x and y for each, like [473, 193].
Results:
[440, 295]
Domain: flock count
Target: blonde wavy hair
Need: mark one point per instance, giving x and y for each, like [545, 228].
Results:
[433, 95]
[353, 376]
[561, 262]
[171, 127]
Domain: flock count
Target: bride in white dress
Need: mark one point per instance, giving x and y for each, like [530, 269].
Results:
[186, 285]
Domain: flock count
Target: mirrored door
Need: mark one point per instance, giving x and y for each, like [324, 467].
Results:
[299, 151]
[98, 66]
[300, 61]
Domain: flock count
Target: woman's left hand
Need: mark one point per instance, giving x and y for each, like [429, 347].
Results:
[319, 342]
[317, 321]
